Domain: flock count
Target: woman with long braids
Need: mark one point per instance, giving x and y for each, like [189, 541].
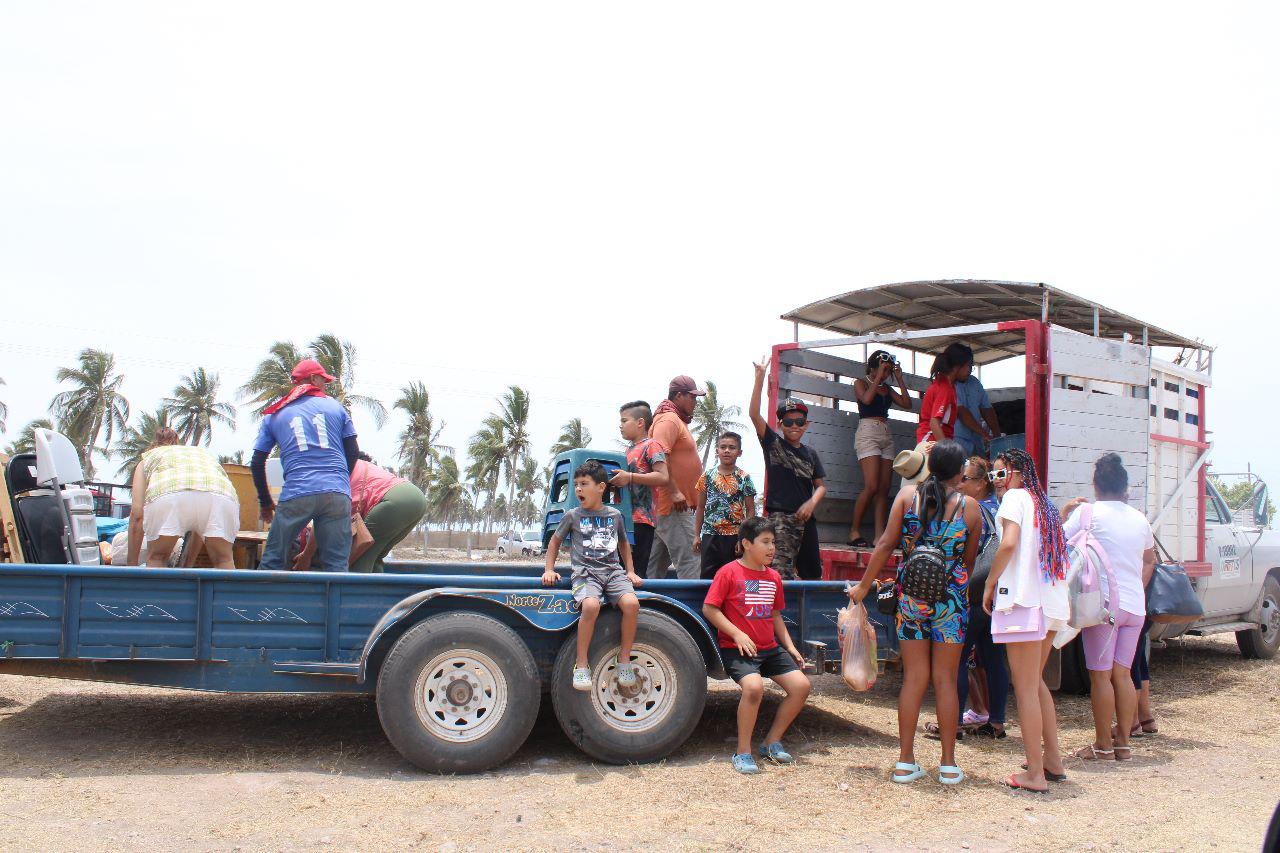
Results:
[931, 635]
[1026, 595]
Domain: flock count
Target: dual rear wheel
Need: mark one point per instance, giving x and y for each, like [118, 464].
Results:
[460, 692]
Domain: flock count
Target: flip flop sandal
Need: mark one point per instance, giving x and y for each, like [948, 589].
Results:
[988, 730]
[1092, 753]
[914, 772]
[860, 542]
[1151, 723]
[1013, 783]
[949, 774]
[1050, 775]
[934, 732]
[1128, 753]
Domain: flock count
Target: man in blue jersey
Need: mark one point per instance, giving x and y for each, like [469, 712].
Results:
[318, 449]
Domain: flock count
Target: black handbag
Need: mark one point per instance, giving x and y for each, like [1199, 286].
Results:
[926, 570]
[1170, 596]
[887, 597]
[986, 557]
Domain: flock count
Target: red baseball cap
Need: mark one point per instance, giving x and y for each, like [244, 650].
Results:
[307, 368]
[686, 385]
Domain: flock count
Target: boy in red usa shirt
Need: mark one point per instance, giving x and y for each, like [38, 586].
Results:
[745, 605]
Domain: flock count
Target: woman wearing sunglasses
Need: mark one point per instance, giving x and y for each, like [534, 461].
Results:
[1026, 595]
[990, 681]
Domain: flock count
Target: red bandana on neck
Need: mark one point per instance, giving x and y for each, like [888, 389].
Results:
[668, 406]
[305, 389]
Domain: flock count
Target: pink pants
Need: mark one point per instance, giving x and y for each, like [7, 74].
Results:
[1108, 645]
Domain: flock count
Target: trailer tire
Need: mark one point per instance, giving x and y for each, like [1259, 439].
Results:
[648, 723]
[1263, 642]
[1074, 674]
[465, 658]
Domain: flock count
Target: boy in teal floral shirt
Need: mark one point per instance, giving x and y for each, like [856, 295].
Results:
[726, 498]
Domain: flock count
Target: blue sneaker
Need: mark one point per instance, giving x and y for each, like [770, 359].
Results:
[775, 753]
[744, 763]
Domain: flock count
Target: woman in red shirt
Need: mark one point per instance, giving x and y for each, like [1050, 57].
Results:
[938, 408]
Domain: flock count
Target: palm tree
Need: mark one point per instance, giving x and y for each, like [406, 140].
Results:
[236, 458]
[271, 379]
[194, 407]
[338, 357]
[93, 406]
[135, 441]
[448, 499]
[573, 435]
[530, 479]
[513, 415]
[4, 412]
[26, 440]
[419, 451]
[487, 449]
[710, 419]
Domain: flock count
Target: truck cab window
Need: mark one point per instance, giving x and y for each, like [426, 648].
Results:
[1215, 508]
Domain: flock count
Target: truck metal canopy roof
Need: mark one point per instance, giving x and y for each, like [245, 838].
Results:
[919, 305]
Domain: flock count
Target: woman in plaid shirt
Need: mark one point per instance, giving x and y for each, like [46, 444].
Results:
[177, 491]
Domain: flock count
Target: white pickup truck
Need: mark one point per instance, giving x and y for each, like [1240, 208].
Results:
[1086, 380]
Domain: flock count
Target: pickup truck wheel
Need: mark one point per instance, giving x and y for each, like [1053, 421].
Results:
[1262, 643]
[646, 722]
[458, 693]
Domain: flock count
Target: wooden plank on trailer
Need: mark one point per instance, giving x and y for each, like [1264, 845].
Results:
[1099, 367]
[827, 363]
[1109, 405]
[1069, 342]
[1063, 435]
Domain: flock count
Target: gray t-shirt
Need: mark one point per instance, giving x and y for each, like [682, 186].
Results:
[593, 537]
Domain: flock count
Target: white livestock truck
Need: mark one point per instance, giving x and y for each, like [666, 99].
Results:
[1081, 380]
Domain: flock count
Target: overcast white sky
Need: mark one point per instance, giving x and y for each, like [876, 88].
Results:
[588, 198]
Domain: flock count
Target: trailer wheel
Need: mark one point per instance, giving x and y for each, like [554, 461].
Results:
[1074, 673]
[648, 721]
[458, 693]
[1262, 643]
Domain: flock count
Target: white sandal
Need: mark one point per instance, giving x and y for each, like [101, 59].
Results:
[956, 774]
[915, 771]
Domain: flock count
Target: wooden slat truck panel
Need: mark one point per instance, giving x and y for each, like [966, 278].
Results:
[1097, 405]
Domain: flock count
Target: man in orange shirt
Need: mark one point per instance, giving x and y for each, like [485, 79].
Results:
[673, 532]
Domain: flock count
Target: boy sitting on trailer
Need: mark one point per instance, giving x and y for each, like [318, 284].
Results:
[745, 605]
[599, 551]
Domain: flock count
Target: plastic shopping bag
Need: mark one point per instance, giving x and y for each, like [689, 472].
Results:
[857, 647]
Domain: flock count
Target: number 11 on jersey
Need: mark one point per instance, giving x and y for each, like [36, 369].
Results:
[298, 425]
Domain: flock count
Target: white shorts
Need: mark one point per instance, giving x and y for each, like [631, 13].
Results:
[211, 515]
[873, 438]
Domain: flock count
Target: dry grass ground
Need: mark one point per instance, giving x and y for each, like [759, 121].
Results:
[86, 766]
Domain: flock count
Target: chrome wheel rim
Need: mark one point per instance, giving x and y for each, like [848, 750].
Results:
[1270, 621]
[644, 706]
[460, 695]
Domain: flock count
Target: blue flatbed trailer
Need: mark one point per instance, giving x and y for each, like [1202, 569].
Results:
[458, 655]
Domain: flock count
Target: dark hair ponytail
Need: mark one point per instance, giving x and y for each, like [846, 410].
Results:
[941, 364]
[946, 462]
[1109, 476]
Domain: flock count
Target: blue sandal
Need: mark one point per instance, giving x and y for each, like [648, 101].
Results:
[949, 774]
[915, 771]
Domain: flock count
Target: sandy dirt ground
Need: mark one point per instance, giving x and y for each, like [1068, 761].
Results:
[88, 766]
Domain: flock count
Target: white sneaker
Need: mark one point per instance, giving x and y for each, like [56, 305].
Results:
[626, 675]
[581, 678]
